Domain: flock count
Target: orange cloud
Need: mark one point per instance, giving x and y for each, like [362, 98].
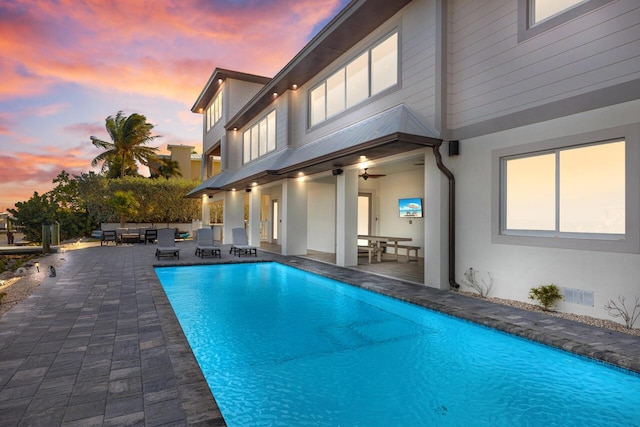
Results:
[165, 48]
[106, 52]
[23, 173]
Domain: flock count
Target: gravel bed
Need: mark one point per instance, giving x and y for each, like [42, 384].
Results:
[601, 323]
[19, 284]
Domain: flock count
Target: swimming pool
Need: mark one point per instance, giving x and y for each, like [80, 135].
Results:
[279, 346]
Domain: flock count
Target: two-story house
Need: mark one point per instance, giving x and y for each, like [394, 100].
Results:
[514, 122]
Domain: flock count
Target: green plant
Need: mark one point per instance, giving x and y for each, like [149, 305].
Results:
[2, 295]
[546, 295]
[619, 309]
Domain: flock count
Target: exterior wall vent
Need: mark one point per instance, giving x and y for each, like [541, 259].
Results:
[578, 296]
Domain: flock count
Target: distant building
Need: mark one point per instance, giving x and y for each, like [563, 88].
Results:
[189, 161]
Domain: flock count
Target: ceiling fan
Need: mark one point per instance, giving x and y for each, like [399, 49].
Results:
[366, 175]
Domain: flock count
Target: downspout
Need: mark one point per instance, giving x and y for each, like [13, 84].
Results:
[452, 216]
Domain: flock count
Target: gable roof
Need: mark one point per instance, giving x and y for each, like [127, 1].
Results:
[213, 85]
[390, 132]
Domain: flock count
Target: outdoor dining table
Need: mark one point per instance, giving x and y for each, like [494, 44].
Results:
[389, 240]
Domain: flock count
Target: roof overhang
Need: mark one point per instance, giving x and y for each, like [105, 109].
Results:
[385, 146]
[217, 78]
[395, 131]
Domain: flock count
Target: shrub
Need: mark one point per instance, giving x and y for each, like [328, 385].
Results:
[546, 295]
[483, 287]
[619, 309]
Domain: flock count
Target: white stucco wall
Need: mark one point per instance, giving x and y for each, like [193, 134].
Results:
[517, 268]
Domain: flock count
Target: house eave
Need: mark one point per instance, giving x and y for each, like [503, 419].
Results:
[217, 78]
[358, 19]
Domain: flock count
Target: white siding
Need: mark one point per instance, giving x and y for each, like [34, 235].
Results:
[517, 268]
[417, 26]
[236, 94]
[490, 74]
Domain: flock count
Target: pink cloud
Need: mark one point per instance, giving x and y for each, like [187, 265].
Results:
[165, 48]
[155, 52]
[85, 129]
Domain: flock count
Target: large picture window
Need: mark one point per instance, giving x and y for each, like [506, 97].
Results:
[574, 191]
[260, 138]
[365, 76]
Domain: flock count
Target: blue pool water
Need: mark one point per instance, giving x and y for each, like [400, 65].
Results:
[279, 346]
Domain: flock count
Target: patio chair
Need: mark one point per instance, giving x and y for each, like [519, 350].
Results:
[167, 244]
[241, 244]
[205, 244]
[150, 235]
[109, 236]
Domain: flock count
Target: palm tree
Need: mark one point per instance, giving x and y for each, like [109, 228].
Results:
[129, 135]
[114, 168]
[168, 169]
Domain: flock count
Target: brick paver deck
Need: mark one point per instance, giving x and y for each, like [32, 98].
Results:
[99, 345]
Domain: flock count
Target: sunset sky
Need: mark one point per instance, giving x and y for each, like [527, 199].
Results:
[66, 65]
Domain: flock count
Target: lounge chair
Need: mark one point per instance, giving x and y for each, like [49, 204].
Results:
[241, 244]
[109, 236]
[150, 235]
[167, 244]
[205, 244]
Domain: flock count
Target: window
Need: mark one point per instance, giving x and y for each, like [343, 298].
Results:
[260, 138]
[575, 191]
[538, 16]
[214, 112]
[543, 9]
[384, 64]
[367, 75]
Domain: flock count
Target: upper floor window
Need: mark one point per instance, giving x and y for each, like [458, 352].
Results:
[538, 16]
[543, 9]
[365, 76]
[260, 138]
[571, 192]
[214, 112]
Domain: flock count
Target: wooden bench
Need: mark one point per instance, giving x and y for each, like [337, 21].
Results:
[370, 250]
[409, 249]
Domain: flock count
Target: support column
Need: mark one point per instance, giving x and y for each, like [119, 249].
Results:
[253, 229]
[233, 213]
[347, 219]
[436, 223]
[293, 229]
[206, 211]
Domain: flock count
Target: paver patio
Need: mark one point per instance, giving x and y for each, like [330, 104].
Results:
[99, 344]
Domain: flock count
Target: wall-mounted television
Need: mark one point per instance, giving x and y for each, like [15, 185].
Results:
[410, 207]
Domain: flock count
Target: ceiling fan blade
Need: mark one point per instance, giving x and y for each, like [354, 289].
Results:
[365, 175]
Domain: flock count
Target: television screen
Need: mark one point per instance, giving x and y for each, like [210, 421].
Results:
[410, 208]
